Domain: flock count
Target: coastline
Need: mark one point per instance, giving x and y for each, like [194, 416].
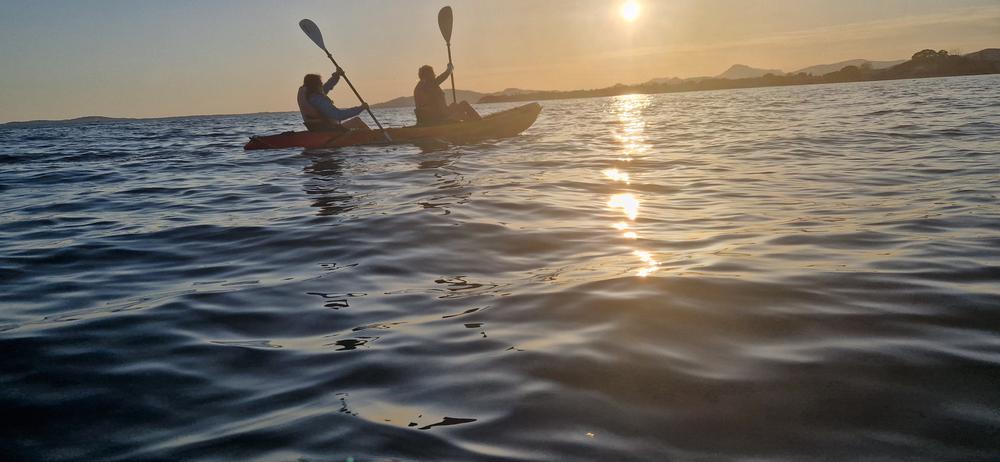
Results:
[845, 75]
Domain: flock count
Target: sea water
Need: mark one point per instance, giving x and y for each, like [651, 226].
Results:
[796, 273]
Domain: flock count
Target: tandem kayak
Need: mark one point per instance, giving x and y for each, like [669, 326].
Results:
[501, 124]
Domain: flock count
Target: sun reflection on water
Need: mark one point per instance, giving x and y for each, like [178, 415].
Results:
[631, 135]
[617, 175]
[647, 258]
[633, 125]
[627, 202]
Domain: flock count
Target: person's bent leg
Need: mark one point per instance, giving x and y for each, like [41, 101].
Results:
[462, 111]
[468, 112]
[455, 113]
[355, 124]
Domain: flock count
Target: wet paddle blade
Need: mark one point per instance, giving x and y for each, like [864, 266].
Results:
[444, 22]
[313, 32]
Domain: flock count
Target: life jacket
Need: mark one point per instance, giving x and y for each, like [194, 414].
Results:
[309, 113]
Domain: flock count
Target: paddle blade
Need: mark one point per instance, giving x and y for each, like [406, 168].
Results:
[444, 22]
[313, 32]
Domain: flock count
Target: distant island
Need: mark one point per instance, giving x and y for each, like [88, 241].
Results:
[95, 120]
[923, 64]
[741, 71]
[76, 121]
[824, 69]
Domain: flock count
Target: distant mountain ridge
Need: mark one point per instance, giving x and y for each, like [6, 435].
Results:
[823, 69]
[78, 120]
[989, 55]
[742, 71]
[512, 91]
[923, 64]
[110, 120]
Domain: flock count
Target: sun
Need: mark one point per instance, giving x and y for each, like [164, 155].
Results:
[630, 11]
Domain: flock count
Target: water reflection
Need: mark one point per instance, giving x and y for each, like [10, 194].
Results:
[451, 187]
[324, 183]
[627, 202]
[617, 175]
[633, 125]
[632, 137]
[647, 258]
[437, 159]
[432, 145]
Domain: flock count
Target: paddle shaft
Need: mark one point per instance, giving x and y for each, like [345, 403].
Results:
[454, 99]
[355, 90]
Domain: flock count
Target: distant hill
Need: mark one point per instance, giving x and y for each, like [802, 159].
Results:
[673, 81]
[741, 71]
[513, 91]
[103, 120]
[407, 101]
[664, 81]
[990, 55]
[930, 63]
[923, 64]
[76, 121]
[823, 69]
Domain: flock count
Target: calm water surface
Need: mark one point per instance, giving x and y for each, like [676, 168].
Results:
[801, 273]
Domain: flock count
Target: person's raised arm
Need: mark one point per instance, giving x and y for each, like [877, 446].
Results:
[444, 75]
[332, 81]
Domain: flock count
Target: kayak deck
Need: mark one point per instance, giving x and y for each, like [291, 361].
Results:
[501, 124]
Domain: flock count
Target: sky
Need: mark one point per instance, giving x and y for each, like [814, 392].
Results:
[143, 58]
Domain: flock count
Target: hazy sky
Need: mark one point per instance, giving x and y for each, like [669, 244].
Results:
[144, 58]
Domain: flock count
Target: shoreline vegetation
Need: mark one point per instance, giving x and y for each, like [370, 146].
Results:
[923, 64]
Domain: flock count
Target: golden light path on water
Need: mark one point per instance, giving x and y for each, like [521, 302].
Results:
[617, 175]
[633, 141]
[627, 202]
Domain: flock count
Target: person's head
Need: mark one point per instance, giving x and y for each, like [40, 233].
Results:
[313, 83]
[426, 72]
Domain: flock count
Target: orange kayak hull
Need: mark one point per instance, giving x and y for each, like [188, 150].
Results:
[503, 124]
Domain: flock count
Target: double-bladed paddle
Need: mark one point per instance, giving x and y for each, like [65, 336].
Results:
[312, 31]
[444, 22]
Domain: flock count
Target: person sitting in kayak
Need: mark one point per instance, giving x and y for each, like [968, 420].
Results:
[318, 112]
[431, 106]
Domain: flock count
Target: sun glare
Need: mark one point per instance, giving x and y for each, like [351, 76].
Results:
[627, 202]
[630, 11]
